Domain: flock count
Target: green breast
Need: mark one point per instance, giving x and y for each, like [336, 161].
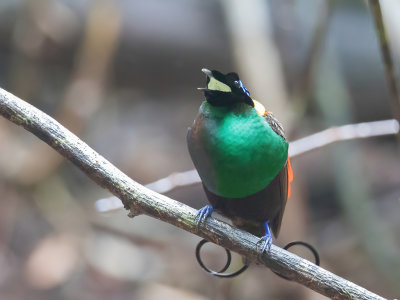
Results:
[234, 150]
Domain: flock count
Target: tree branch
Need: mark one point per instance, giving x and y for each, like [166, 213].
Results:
[140, 200]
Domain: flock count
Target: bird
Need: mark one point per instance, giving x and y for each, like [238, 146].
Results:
[241, 155]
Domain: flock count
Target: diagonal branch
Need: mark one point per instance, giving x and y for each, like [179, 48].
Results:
[141, 200]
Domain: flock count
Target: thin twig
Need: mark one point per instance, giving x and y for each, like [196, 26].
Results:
[297, 147]
[162, 186]
[140, 200]
[343, 133]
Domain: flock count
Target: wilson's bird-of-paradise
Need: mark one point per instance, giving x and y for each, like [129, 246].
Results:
[241, 154]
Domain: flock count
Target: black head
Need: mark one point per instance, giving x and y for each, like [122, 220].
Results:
[225, 89]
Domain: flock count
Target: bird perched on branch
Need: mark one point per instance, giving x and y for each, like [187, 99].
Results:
[241, 154]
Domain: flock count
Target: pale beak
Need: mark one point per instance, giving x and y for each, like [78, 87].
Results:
[207, 72]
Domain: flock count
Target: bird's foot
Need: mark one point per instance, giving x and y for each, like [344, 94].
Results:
[266, 241]
[203, 214]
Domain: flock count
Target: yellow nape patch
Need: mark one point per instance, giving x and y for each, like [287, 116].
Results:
[260, 109]
[216, 85]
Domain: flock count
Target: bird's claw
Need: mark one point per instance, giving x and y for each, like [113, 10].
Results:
[265, 243]
[203, 214]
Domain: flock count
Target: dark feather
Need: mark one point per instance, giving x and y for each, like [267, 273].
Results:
[251, 212]
[274, 123]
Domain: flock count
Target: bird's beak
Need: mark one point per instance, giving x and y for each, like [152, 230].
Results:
[207, 72]
[214, 84]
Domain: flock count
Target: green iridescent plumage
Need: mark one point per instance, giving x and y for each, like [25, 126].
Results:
[241, 155]
[235, 151]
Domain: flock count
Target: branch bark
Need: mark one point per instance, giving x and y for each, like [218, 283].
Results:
[140, 200]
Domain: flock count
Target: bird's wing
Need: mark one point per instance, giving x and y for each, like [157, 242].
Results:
[284, 177]
[274, 123]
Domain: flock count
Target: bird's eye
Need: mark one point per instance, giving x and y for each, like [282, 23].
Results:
[237, 83]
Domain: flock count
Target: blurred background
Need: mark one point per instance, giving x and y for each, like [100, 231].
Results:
[122, 75]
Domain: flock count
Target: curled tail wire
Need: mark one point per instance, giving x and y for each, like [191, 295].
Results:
[222, 273]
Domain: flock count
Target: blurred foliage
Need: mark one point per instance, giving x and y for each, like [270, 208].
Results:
[122, 75]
